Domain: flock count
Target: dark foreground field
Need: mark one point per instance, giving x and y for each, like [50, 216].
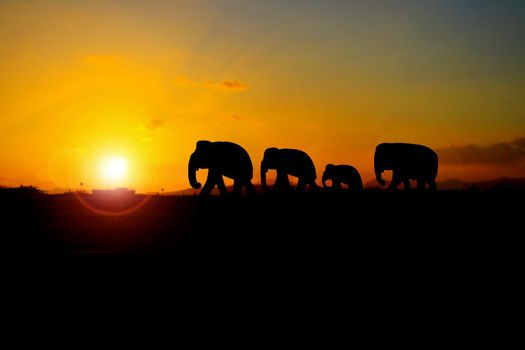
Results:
[426, 256]
[455, 232]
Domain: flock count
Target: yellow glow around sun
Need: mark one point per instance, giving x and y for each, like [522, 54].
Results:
[113, 168]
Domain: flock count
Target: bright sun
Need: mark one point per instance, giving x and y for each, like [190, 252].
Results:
[114, 168]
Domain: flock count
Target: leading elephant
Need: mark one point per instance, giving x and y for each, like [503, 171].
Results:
[286, 162]
[221, 159]
[343, 174]
[408, 162]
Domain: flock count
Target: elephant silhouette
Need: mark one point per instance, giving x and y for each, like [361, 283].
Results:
[407, 161]
[342, 174]
[222, 159]
[288, 162]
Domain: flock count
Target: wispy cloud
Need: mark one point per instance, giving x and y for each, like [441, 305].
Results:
[499, 153]
[233, 84]
[183, 81]
[154, 125]
[151, 129]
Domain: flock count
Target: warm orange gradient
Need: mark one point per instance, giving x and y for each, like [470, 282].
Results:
[82, 81]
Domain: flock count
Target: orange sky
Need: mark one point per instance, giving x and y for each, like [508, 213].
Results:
[83, 81]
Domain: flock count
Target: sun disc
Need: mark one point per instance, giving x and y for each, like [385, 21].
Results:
[114, 168]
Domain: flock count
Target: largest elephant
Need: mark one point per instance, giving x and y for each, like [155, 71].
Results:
[221, 159]
[408, 162]
[286, 162]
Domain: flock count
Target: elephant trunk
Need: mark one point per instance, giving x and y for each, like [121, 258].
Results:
[192, 170]
[264, 170]
[378, 168]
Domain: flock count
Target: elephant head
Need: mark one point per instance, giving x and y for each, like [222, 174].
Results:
[328, 173]
[269, 162]
[382, 160]
[200, 159]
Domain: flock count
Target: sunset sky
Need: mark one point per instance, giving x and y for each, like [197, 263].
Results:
[141, 81]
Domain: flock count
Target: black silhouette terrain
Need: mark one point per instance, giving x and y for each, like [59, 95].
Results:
[288, 162]
[342, 174]
[367, 253]
[365, 233]
[222, 159]
[408, 162]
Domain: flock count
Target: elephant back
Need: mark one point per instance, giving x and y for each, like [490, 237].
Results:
[413, 158]
[298, 162]
[423, 159]
[233, 159]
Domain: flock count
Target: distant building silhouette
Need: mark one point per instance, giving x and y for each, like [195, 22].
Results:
[119, 191]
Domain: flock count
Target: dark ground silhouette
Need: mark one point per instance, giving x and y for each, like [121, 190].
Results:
[373, 256]
[459, 233]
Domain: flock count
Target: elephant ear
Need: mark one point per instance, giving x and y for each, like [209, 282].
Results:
[383, 147]
[203, 145]
[271, 152]
[272, 155]
[203, 152]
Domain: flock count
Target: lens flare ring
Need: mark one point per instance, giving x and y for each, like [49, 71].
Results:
[111, 213]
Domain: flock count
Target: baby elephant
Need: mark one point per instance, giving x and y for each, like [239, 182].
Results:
[345, 174]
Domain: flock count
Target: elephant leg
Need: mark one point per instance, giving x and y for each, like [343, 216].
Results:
[301, 185]
[313, 185]
[237, 187]
[208, 186]
[394, 183]
[283, 182]
[336, 185]
[421, 185]
[286, 183]
[221, 186]
[249, 187]
[278, 183]
[432, 185]
[406, 184]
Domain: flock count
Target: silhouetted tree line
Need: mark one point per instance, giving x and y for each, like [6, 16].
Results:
[221, 158]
